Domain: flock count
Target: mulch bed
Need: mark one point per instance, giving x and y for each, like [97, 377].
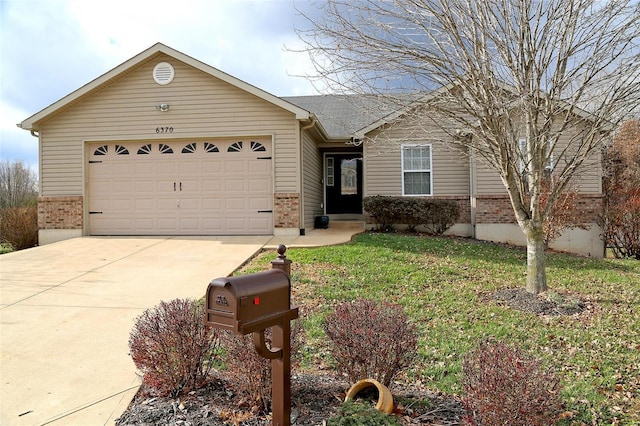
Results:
[316, 397]
[541, 304]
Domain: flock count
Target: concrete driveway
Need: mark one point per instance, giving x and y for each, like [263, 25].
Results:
[66, 310]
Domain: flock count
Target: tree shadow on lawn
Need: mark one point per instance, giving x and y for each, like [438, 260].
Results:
[458, 248]
[466, 248]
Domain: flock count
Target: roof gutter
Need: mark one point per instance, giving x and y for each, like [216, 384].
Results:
[34, 132]
[314, 120]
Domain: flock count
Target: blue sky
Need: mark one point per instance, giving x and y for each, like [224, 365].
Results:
[49, 48]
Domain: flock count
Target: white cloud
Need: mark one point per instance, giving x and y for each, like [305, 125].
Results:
[15, 143]
[50, 48]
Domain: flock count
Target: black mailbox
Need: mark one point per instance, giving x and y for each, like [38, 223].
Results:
[248, 303]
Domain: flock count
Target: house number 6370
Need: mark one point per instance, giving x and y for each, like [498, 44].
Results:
[164, 129]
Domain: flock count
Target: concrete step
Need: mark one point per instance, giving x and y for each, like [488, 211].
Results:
[347, 224]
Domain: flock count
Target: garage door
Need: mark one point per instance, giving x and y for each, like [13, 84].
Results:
[215, 187]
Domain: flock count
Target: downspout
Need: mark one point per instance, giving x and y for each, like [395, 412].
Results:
[36, 134]
[302, 129]
[473, 189]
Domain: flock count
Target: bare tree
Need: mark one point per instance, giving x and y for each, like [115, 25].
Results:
[18, 185]
[18, 205]
[555, 74]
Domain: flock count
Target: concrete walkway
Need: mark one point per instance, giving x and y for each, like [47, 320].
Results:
[66, 311]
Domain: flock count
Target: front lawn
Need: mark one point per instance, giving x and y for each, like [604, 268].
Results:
[447, 287]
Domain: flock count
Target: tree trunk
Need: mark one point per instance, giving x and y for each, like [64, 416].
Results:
[536, 271]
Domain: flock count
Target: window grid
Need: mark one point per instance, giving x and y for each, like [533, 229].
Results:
[417, 177]
[235, 147]
[189, 148]
[330, 172]
[522, 146]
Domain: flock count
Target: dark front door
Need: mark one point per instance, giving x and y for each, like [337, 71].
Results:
[343, 183]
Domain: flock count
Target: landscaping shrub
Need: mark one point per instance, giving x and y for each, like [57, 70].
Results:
[439, 215]
[172, 347]
[411, 212]
[620, 219]
[565, 212]
[505, 386]
[371, 340]
[19, 227]
[435, 215]
[18, 205]
[248, 374]
[384, 210]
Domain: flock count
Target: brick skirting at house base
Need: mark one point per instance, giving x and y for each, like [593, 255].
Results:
[497, 208]
[62, 217]
[495, 221]
[494, 209]
[464, 205]
[286, 211]
[59, 218]
[60, 212]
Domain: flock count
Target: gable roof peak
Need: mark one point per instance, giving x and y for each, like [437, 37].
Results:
[31, 123]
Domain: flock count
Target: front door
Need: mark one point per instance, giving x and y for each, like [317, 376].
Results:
[343, 183]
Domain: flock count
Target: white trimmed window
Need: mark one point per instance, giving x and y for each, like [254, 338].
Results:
[417, 176]
[522, 145]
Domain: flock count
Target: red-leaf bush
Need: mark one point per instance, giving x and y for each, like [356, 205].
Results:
[620, 219]
[505, 386]
[172, 347]
[565, 212]
[248, 374]
[371, 340]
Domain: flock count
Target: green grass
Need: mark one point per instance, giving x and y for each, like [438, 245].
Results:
[446, 286]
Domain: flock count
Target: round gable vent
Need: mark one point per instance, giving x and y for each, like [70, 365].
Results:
[163, 73]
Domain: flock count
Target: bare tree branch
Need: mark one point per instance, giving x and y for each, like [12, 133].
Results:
[560, 74]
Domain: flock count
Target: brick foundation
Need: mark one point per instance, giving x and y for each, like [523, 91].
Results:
[494, 209]
[591, 207]
[60, 212]
[464, 204]
[286, 212]
[497, 209]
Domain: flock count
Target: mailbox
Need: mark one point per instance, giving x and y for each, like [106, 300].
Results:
[251, 304]
[248, 303]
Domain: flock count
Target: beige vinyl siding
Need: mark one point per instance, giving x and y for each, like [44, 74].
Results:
[450, 170]
[382, 154]
[312, 170]
[588, 178]
[200, 106]
[488, 181]
[382, 167]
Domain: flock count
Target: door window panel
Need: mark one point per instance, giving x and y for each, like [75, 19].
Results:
[349, 177]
